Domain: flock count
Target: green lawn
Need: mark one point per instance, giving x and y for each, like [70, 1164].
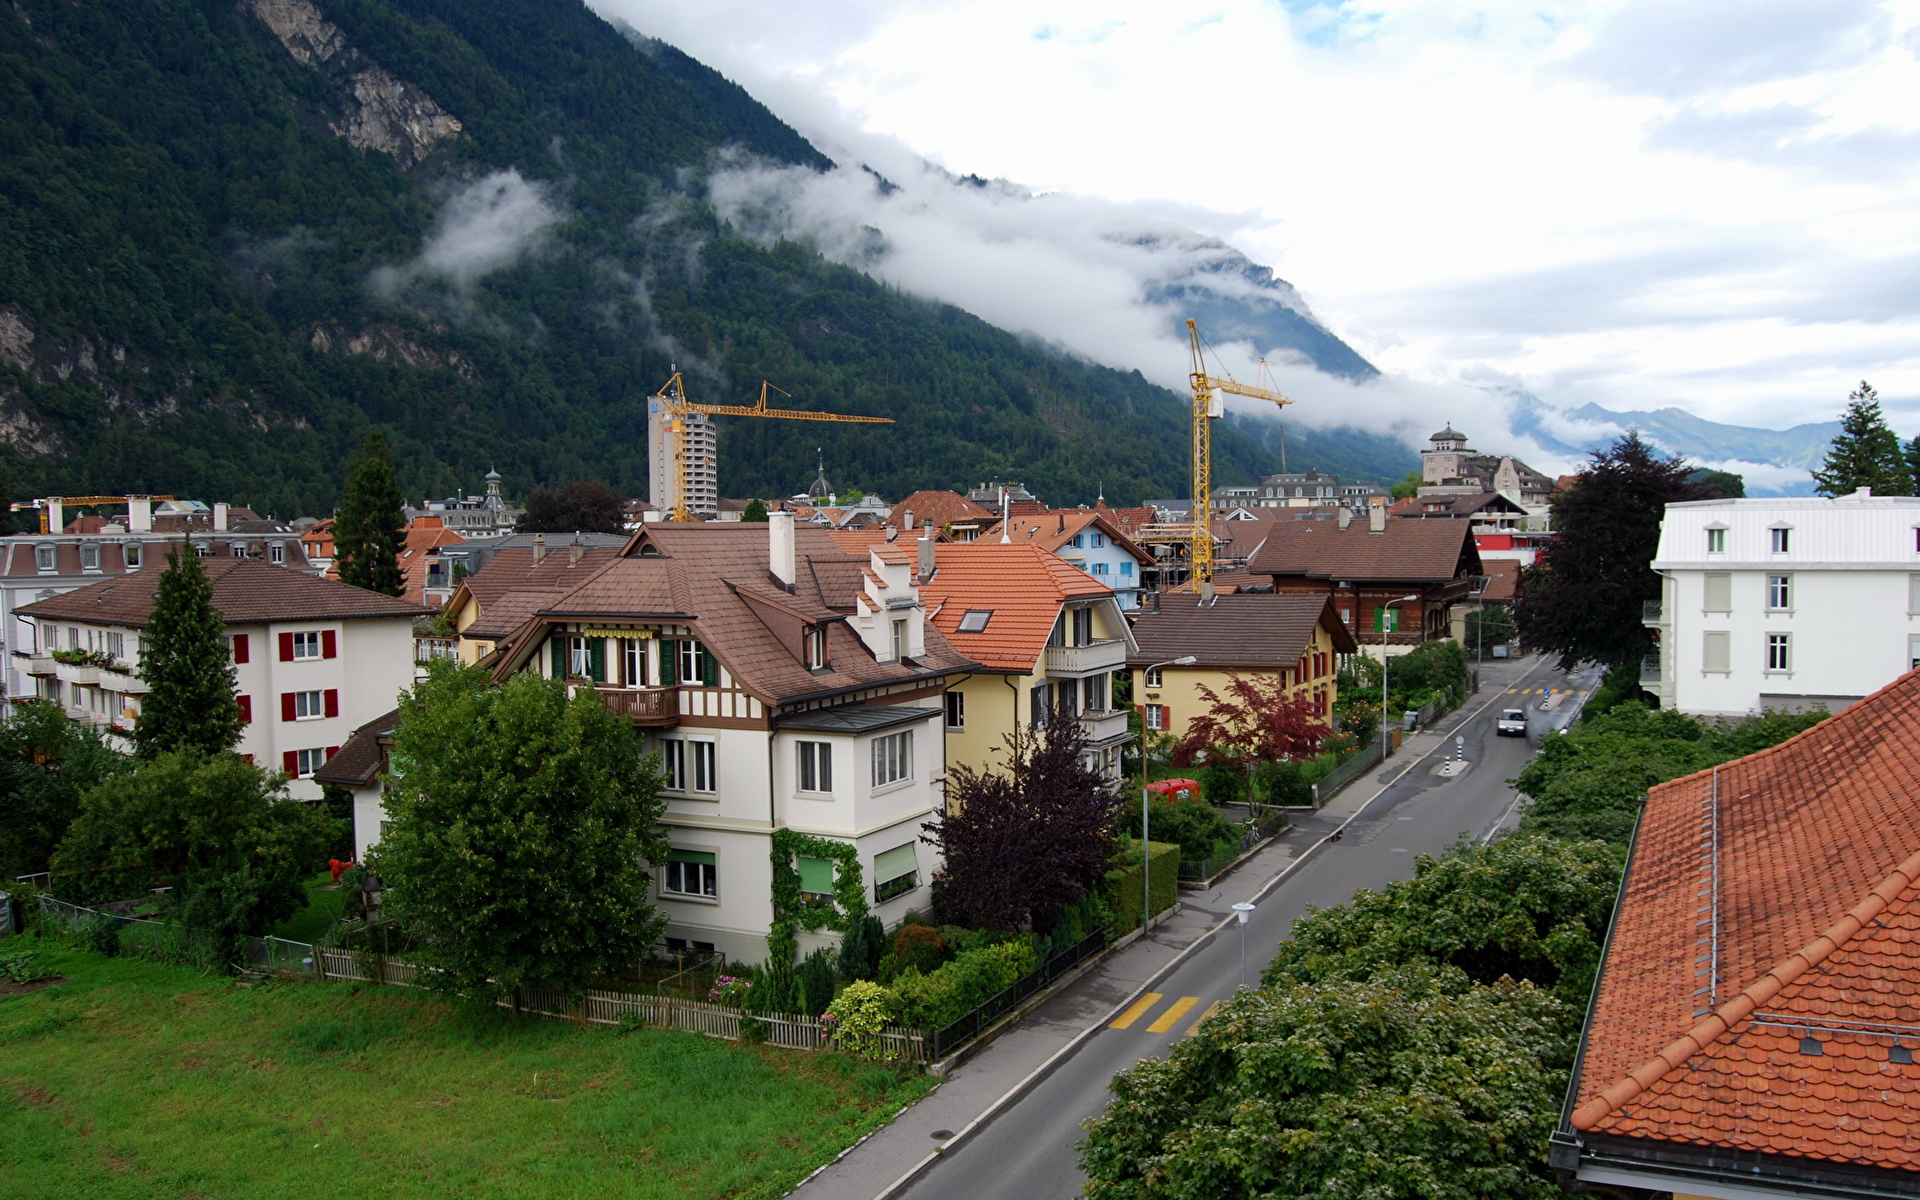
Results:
[138, 1079]
[322, 910]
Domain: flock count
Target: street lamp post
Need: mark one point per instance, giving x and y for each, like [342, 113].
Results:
[1146, 769]
[1386, 738]
[1241, 912]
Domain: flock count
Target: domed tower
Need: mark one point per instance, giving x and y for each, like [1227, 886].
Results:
[821, 492]
[1446, 456]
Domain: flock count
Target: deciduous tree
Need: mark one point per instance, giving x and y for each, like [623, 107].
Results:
[47, 765]
[1865, 453]
[187, 666]
[369, 528]
[520, 828]
[1255, 722]
[1583, 599]
[584, 506]
[1022, 843]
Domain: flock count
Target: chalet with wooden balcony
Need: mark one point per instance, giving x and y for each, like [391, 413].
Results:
[1363, 567]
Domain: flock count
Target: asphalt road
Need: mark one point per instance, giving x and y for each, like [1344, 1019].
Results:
[1029, 1149]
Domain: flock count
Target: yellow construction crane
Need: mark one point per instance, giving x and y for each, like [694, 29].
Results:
[1206, 407]
[673, 397]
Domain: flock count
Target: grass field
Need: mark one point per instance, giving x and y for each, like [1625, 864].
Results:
[322, 910]
[139, 1079]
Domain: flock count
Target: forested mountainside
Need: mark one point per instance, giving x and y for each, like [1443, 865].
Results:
[234, 237]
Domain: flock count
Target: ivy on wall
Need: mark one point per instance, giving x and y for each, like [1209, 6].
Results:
[794, 910]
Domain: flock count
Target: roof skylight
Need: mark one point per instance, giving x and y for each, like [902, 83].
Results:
[975, 620]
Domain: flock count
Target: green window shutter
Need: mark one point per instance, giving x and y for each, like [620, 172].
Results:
[709, 668]
[692, 856]
[892, 864]
[557, 655]
[597, 659]
[816, 875]
[669, 652]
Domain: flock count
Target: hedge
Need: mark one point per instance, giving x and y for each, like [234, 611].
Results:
[1123, 883]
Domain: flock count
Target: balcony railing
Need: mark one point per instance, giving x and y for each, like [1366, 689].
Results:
[81, 673]
[39, 664]
[645, 706]
[1651, 613]
[1102, 724]
[1650, 669]
[1107, 655]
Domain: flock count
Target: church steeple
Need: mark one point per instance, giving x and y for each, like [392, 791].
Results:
[821, 489]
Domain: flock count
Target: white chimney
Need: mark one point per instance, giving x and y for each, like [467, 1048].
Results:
[926, 559]
[139, 514]
[1377, 518]
[909, 525]
[780, 547]
[575, 551]
[56, 515]
[220, 516]
[1345, 518]
[539, 546]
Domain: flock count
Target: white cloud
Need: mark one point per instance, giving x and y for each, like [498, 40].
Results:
[486, 225]
[1638, 202]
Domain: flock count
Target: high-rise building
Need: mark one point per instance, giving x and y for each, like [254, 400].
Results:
[697, 438]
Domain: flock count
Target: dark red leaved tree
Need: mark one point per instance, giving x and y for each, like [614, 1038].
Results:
[1255, 722]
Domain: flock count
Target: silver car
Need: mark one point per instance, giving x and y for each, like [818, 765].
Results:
[1512, 723]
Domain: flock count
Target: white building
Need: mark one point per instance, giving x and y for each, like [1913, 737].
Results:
[315, 659]
[693, 435]
[1788, 603]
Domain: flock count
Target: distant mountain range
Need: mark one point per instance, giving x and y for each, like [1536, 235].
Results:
[1776, 462]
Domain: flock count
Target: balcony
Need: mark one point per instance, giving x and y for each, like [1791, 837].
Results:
[1103, 725]
[38, 664]
[127, 683]
[81, 673]
[1092, 658]
[1650, 669]
[645, 706]
[1652, 613]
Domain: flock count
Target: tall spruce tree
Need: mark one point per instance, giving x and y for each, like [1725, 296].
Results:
[188, 669]
[369, 528]
[6, 498]
[1865, 453]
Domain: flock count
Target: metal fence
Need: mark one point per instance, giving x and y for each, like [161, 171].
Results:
[1344, 774]
[1204, 869]
[942, 1042]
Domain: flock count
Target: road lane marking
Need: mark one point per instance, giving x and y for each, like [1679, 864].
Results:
[1173, 1014]
[1211, 1009]
[1138, 1009]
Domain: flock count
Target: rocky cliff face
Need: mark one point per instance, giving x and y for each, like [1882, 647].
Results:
[379, 110]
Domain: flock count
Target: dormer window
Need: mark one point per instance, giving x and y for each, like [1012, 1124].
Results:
[1780, 538]
[899, 636]
[816, 648]
[277, 553]
[43, 558]
[130, 554]
[90, 556]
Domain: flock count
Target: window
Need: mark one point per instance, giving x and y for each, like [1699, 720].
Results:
[1716, 653]
[277, 553]
[1100, 568]
[1126, 568]
[1718, 592]
[895, 873]
[306, 645]
[816, 766]
[673, 762]
[1079, 541]
[1095, 693]
[1082, 627]
[693, 873]
[1099, 540]
[1779, 591]
[90, 556]
[1716, 541]
[117, 644]
[703, 762]
[1779, 540]
[892, 758]
[1157, 719]
[817, 648]
[697, 664]
[308, 705]
[975, 621]
[43, 558]
[899, 639]
[306, 762]
[956, 711]
[1153, 676]
[1779, 652]
[579, 660]
[633, 662]
[1913, 652]
[73, 637]
[816, 875]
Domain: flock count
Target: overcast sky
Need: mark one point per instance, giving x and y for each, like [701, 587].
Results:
[1709, 205]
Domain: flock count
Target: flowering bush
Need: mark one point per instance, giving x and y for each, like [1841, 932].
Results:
[730, 989]
[857, 1016]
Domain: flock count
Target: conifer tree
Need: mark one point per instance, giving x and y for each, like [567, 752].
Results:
[187, 667]
[368, 530]
[756, 511]
[1865, 453]
[6, 499]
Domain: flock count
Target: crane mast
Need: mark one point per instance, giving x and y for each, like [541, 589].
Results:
[1207, 406]
[673, 398]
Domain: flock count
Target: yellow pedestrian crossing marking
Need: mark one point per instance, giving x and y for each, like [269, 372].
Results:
[1136, 1010]
[1172, 1016]
[1211, 1009]
[1539, 691]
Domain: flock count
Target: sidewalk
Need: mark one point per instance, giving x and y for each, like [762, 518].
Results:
[872, 1165]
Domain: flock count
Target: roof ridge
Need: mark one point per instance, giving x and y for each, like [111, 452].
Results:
[1715, 1025]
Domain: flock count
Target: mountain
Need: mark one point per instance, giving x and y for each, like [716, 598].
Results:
[233, 238]
[1775, 462]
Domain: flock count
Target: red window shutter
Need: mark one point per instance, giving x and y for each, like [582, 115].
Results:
[290, 763]
[246, 709]
[240, 651]
[331, 751]
[286, 706]
[333, 702]
[329, 648]
[249, 758]
[286, 647]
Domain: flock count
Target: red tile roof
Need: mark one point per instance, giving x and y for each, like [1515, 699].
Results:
[1769, 900]
[1054, 530]
[938, 508]
[1023, 584]
[1412, 551]
[424, 536]
[245, 590]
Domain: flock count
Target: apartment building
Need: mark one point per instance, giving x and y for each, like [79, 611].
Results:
[1791, 603]
[1084, 538]
[314, 658]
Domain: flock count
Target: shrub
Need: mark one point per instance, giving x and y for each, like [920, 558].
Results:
[1285, 783]
[858, 1016]
[861, 947]
[776, 991]
[1220, 783]
[1201, 831]
[917, 946]
[816, 980]
[937, 1000]
[102, 937]
[16, 966]
[730, 989]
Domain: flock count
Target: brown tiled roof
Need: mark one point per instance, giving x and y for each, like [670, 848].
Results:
[360, 759]
[17, 553]
[1456, 507]
[1023, 584]
[1782, 886]
[1503, 578]
[1054, 530]
[1244, 630]
[938, 508]
[1425, 551]
[856, 541]
[695, 574]
[512, 586]
[245, 590]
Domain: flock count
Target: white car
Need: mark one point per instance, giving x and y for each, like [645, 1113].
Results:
[1512, 723]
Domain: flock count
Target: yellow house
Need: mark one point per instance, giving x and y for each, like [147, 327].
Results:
[1295, 637]
[1046, 635]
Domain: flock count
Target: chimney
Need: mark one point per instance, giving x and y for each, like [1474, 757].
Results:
[926, 558]
[780, 547]
[56, 515]
[1377, 518]
[575, 550]
[139, 514]
[909, 525]
[1345, 518]
[220, 516]
[539, 546]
